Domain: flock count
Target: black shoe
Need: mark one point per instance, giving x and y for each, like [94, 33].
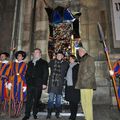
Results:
[25, 118]
[35, 116]
[49, 113]
[70, 117]
[57, 115]
[48, 117]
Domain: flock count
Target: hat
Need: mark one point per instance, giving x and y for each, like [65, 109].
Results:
[22, 53]
[60, 52]
[5, 53]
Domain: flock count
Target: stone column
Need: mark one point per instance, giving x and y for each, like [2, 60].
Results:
[7, 8]
[41, 28]
[20, 26]
[26, 43]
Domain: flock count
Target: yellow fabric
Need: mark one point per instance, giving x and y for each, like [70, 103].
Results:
[86, 102]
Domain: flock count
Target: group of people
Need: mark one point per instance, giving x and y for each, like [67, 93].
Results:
[21, 82]
[12, 82]
[78, 78]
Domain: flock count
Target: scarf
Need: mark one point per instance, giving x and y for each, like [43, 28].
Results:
[56, 75]
[69, 74]
[35, 60]
[5, 61]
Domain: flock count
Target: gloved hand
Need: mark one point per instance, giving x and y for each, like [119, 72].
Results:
[9, 86]
[111, 72]
[24, 88]
[6, 85]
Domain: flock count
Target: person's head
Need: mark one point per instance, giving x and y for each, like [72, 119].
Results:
[72, 58]
[81, 51]
[4, 56]
[37, 53]
[60, 55]
[20, 55]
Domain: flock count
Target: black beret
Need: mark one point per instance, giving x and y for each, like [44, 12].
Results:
[5, 53]
[22, 53]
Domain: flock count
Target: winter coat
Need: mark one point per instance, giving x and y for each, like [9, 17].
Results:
[72, 94]
[37, 75]
[51, 87]
[86, 73]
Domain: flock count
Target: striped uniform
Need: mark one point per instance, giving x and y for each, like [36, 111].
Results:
[5, 68]
[116, 68]
[18, 81]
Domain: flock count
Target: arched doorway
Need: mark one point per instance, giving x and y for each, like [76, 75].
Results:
[64, 27]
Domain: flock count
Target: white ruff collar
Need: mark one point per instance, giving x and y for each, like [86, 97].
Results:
[5, 61]
[18, 61]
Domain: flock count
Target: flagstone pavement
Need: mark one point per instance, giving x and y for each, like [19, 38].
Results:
[101, 112]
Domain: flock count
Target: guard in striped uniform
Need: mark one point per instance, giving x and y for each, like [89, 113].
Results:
[18, 82]
[4, 78]
[116, 68]
[116, 73]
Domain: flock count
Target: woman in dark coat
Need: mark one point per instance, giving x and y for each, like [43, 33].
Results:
[71, 94]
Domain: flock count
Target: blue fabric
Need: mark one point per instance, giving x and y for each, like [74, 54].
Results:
[15, 87]
[68, 17]
[117, 68]
[19, 92]
[54, 99]
[119, 92]
[57, 18]
[3, 86]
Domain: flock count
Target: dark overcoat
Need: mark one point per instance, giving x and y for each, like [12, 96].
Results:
[57, 89]
[37, 75]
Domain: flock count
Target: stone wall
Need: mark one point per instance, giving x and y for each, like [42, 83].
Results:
[27, 26]
[94, 11]
[41, 28]
[6, 22]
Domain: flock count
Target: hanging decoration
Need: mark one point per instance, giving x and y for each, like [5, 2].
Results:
[62, 24]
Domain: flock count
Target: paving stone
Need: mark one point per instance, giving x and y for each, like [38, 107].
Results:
[101, 112]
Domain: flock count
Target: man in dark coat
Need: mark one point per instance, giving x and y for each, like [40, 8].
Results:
[36, 79]
[58, 69]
